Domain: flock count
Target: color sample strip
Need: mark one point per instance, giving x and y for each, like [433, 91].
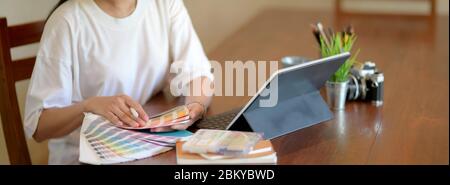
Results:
[178, 115]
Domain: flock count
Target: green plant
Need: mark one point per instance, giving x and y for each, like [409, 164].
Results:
[337, 45]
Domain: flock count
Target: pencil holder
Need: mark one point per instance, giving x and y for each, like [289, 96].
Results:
[336, 94]
[333, 44]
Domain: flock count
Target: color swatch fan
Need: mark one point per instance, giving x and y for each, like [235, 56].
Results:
[103, 143]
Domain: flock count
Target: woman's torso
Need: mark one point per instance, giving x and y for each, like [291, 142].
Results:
[113, 56]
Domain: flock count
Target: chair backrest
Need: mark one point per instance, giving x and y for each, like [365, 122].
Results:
[11, 72]
[427, 21]
[431, 14]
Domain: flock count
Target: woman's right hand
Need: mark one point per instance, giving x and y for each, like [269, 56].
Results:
[117, 110]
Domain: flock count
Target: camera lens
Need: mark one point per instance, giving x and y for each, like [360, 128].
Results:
[353, 88]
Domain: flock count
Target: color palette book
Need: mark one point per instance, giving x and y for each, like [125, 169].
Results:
[175, 116]
[262, 153]
[223, 142]
[103, 143]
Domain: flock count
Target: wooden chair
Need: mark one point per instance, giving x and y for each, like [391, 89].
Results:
[10, 73]
[339, 11]
[345, 17]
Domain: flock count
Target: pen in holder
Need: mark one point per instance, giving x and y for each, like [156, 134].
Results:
[332, 44]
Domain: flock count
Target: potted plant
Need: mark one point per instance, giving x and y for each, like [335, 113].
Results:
[336, 86]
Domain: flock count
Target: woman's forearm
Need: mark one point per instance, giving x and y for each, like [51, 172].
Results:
[58, 122]
[206, 91]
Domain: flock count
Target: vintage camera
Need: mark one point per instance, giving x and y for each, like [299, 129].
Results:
[366, 84]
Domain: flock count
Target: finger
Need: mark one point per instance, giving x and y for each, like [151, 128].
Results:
[124, 108]
[182, 126]
[142, 114]
[161, 129]
[195, 111]
[195, 115]
[124, 117]
[113, 119]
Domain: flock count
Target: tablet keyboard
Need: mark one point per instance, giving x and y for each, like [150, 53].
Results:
[219, 121]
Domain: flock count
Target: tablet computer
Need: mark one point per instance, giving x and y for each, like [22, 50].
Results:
[299, 103]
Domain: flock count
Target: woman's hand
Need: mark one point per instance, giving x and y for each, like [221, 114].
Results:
[196, 111]
[117, 110]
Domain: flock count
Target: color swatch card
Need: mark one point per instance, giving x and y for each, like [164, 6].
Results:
[262, 153]
[222, 142]
[103, 143]
[175, 116]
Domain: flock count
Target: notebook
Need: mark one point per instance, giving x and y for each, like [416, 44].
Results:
[103, 143]
[223, 142]
[262, 153]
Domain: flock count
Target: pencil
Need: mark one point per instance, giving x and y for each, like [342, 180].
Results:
[316, 33]
[322, 33]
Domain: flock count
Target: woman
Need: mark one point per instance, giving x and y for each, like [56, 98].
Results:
[106, 57]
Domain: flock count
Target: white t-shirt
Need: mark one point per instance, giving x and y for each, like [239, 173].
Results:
[84, 52]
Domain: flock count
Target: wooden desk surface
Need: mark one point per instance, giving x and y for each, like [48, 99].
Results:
[411, 128]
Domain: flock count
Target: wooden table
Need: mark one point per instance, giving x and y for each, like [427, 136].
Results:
[412, 127]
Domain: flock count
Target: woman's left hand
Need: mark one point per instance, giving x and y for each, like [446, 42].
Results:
[196, 111]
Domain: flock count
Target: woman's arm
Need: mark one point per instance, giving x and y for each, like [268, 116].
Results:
[190, 64]
[206, 91]
[58, 122]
